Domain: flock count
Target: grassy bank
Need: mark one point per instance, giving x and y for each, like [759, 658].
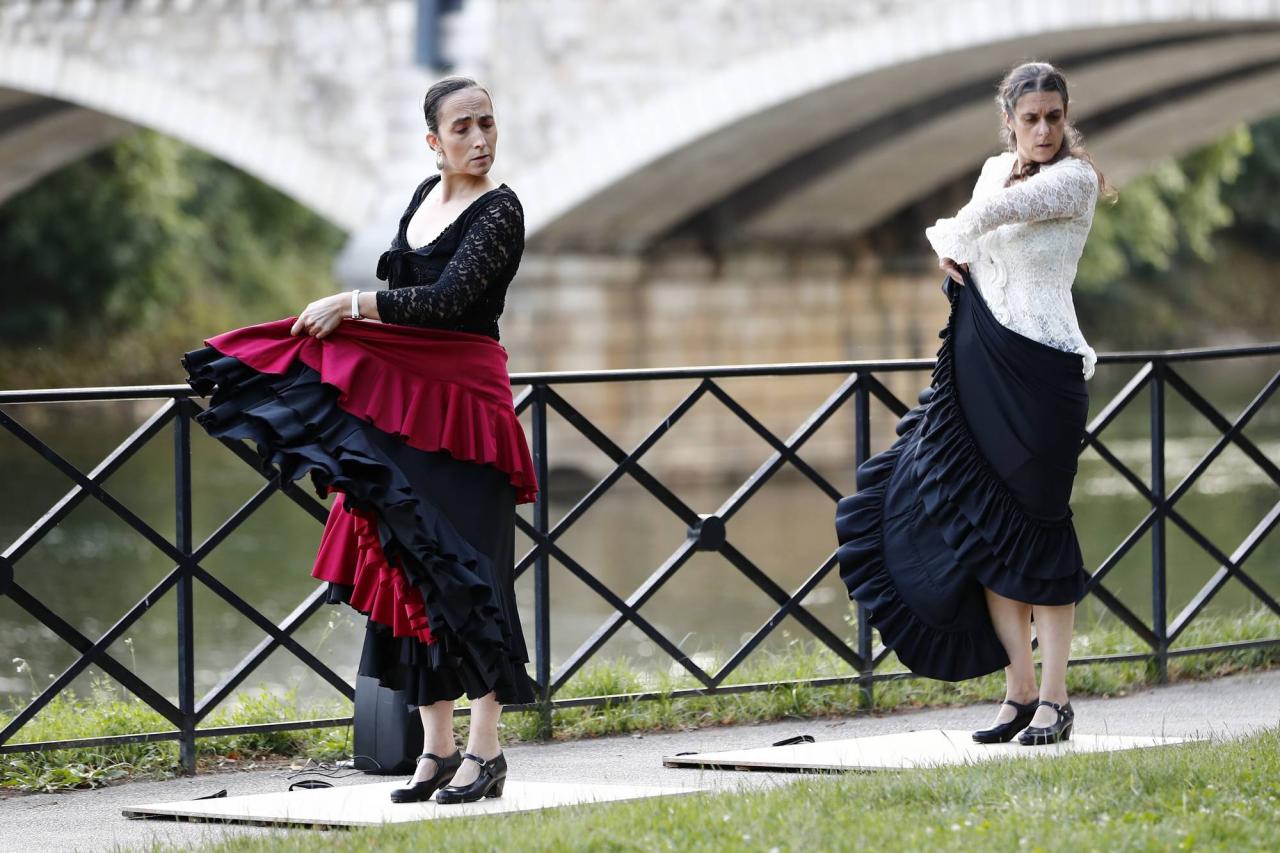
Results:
[107, 712]
[804, 660]
[1199, 796]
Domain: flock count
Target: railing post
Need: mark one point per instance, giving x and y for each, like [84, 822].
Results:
[186, 605]
[542, 566]
[1159, 567]
[861, 453]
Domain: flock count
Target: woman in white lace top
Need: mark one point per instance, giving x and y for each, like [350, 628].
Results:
[1021, 243]
[961, 531]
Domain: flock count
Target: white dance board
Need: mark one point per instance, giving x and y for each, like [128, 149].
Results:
[370, 805]
[905, 751]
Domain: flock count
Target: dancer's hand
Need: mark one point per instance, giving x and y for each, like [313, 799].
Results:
[956, 271]
[323, 316]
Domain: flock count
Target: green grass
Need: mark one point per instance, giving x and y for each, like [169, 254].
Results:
[1222, 795]
[805, 660]
[106, 711]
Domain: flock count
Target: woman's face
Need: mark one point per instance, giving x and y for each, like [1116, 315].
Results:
[468, 135]
[1038, 123]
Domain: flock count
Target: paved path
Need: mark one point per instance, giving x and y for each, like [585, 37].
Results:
[91, 820]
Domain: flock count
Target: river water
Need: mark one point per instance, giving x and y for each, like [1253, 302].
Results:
[93, 567]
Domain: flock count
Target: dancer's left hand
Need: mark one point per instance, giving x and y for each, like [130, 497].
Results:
[323, 316]
[955, 270]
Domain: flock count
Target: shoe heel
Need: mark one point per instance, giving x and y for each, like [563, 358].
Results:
[1066, 732]
[495, 790]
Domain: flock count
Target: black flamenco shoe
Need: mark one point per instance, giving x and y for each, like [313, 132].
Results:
[1059, 731]
[419, 791]
[490, 782]
[1004, 732]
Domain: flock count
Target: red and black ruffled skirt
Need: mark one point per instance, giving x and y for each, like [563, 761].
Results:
[974, 493]
[415, 431]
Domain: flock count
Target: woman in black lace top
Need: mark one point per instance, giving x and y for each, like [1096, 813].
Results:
[409, 422]
[458, 244]
[457, 281]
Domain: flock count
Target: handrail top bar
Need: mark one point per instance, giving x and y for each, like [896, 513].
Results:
[100, 394]
[721, 371]
[1192, 354]
[867, 366]
[725, 371]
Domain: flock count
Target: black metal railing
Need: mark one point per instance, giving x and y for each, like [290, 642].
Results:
[858, 386]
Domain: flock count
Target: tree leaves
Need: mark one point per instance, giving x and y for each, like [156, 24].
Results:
[1173, 211]
[123, 238]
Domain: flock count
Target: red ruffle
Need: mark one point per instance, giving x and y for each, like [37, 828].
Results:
[351, 554]
[437, 390]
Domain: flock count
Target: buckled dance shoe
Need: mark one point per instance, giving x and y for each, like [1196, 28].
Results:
[1004, 732]
[1059, 731]
[490, 782]
[419, 791]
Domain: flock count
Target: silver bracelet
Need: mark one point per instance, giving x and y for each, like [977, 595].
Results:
[355, 306]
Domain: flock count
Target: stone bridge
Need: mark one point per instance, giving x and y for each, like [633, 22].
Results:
[699, 177]
[626, 123]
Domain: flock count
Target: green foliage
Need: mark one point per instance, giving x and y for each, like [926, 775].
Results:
[268, 707]
[85, 243]
[1183, 256]
[803, 660]
[126, 259]
[1253, 197]
[1171, 212]
[107, 711]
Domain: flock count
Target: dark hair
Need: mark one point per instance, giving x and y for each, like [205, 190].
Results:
[1043, 77]
[442, 89]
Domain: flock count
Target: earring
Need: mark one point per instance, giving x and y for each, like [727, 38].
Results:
[439, 160]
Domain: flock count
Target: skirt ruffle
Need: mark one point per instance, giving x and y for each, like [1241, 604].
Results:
[932, 522]
[1016, 554]
[351, 559]
[436, 390]
[299, 428]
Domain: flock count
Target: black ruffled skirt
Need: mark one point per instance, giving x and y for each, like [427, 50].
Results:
[448, 524]
[973, 494]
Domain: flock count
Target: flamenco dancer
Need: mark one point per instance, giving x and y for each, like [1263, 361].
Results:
[399, 401]
[960, 533]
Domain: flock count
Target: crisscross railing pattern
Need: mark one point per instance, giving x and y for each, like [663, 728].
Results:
[1157, 376]
[858, 386]
[188, 712]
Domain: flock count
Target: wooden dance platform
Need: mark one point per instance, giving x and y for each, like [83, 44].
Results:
[370, 805]
[905, 751]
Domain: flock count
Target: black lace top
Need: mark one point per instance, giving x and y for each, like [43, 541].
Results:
[459, 280]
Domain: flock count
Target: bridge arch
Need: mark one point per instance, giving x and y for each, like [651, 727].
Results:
[783, 142]
[85, 104]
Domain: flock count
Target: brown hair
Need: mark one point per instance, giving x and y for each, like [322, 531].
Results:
[442, 89]
[1043, 77]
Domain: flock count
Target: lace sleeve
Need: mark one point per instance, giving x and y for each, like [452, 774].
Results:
[493, 241]
[947, 237]
[1058, 193]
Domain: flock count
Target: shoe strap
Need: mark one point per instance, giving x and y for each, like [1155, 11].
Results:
[436, 758]
[484, 765]
[1020, 706]
[1063, 711]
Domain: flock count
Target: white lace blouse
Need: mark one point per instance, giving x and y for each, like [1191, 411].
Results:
[1022, 244]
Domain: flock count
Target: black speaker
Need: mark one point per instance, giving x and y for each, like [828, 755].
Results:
[388, 733]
